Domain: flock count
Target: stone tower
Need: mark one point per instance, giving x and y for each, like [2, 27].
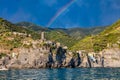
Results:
[42, 36]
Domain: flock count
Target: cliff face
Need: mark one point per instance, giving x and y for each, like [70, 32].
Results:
[112, 57]
[41, 58]
[105, 58]
[45, 58]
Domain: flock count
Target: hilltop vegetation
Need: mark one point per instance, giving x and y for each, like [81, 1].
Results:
[76, 33]
[109, 38]
[31, 26]
[62, 37]
[12, 36]
[53, 34]
[6, 26]
[80, 33]
[66, 37]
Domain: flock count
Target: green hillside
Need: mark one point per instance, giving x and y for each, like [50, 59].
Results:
[77, 33]
[9, 40]
[62, 37]
[80, 33]
[66, 37]
[74, 38]
[109, 38]
[6, 26]
[31, 26]
[11, 36]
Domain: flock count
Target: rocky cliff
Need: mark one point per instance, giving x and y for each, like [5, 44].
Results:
[42, 57]
[59, 57]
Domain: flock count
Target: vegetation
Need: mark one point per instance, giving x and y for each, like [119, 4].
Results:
[74, 38]
[60, 36]
[6, 26]
[106, 39]
[12, 36]
[66, 37]
[80, 33]
[77, 33]
[31, 26]
[2, 55]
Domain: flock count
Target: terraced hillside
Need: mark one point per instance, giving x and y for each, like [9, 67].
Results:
[12, 36]
[109, 38]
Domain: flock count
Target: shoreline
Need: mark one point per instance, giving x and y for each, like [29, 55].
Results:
[5, 69]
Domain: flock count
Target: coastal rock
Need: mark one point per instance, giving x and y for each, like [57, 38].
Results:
[44, 58]
[112, 57]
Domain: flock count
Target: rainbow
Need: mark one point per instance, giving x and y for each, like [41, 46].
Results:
[59, 12]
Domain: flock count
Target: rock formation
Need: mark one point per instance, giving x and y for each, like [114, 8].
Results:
[55, 56]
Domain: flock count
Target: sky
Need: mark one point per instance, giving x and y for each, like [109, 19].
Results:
[61, 13]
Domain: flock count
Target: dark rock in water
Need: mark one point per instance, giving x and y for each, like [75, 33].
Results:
[89, 62]
[71, 63]
[60, 56]
[102, 61]
[50, 60]
[78, 60]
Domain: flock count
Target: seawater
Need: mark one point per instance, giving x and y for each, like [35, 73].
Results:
[62, 74]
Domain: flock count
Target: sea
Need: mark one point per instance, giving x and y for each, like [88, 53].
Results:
[62, 74]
